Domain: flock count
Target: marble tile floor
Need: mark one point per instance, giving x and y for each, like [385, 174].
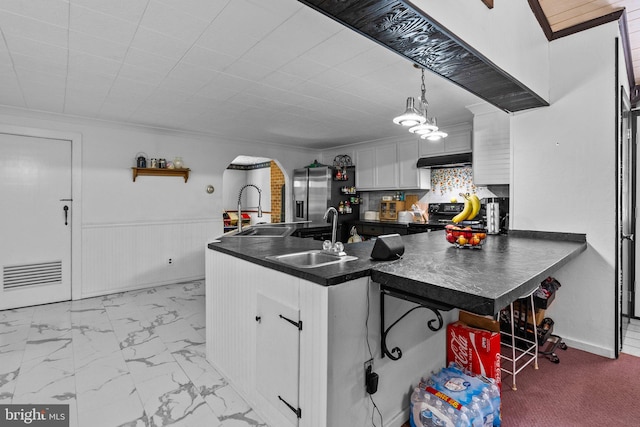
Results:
[131, 359]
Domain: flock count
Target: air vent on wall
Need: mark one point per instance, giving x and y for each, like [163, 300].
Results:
[20, 276]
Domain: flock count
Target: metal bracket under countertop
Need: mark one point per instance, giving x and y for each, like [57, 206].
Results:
[435, 307]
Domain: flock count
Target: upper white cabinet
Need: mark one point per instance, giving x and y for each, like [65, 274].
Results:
[391, 167]
[376, 167]
[365, 168]
[491, 145]
[458, 141]
[409, 176]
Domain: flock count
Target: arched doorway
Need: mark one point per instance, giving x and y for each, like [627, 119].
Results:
[266, 174]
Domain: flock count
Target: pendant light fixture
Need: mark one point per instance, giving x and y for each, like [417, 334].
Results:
[411, 116]
[421, 124]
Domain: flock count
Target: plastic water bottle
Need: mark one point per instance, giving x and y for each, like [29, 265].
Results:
[417, 405]
[426, 418]
[463, 419]
[487, 409]
[476, 413]
[494, 393]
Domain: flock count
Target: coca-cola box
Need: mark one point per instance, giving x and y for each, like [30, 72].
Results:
[475, 349]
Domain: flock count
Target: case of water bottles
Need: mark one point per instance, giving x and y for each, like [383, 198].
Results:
[455, 397]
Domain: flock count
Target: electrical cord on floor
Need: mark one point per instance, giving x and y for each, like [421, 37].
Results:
[366, 327]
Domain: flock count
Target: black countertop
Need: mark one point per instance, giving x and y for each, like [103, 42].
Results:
[432, 271]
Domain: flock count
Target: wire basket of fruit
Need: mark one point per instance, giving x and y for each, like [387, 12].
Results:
[465, 232]
[465, 236]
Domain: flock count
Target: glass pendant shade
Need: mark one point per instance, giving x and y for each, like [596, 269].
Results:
[411, 117]
[435, 136]
[427, 127]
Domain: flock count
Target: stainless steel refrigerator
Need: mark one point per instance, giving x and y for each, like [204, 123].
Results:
[315, 189]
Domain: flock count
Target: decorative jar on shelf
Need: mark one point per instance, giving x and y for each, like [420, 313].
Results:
[177, 163]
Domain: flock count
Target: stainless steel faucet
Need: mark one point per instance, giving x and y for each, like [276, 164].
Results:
[240, 204]
[333, 246]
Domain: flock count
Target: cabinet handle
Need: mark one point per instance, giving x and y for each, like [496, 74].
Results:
[258, 319]
[293, 322]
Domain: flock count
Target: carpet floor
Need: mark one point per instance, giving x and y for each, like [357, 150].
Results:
[582, 390]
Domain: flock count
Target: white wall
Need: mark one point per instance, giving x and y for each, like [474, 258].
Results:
[130, 230]
[509, 35]
[564, 180]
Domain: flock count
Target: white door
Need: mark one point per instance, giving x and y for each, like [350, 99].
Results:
[35, 226]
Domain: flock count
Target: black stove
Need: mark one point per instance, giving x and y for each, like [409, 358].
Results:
[443, 213]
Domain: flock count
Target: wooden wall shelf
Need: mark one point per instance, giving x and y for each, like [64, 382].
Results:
[161, 172]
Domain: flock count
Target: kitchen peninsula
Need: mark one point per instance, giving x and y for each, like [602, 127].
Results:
[293, 340]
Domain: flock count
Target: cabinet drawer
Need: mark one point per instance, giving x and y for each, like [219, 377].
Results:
[372, 230]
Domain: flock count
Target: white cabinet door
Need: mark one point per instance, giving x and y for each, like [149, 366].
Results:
[458, 141]
[409, 176]
[386, 167]
[278, 355]
[491, 148]
[365, 169]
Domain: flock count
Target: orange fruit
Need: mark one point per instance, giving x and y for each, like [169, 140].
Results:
[462, 240]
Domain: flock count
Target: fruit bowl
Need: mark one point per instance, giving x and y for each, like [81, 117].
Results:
[465, 236]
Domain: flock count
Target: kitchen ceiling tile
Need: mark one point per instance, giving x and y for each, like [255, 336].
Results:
[205, 10]
[317, 28]
[29, 77]
[89, 44]
[10, 92]
[116, 111]
[43, 96]
[150, 61]
[54, 12]
[159, 44]
[130, 10]
[36, 49]
[333, 78]
[172, 22]
[248, 70]
[80, 62]
[265, 52]
[207, 58]
[190, 73]
[16, 26]
[338, 48]
[253, 19]
[101, 25]
[214, 93]
[55, 65]
[172, 89]
[229, 41]
[303, 68]
[141, 75]
[281, 80]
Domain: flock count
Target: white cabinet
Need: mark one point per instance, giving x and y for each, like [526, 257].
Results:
[365, 168]
[278, 355]
[386, 167]
[409, 176]
[491, 145]
[458, 141]
[391, 167]
[376, 167]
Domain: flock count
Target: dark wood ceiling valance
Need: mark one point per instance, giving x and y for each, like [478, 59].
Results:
[408, 31]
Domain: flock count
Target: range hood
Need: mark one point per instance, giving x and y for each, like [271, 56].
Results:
[445, 161]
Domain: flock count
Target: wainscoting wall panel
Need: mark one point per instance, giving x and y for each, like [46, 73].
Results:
[121, 257]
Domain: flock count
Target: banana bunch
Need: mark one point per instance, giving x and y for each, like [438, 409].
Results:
[470, 210]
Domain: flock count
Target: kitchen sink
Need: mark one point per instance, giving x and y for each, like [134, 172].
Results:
[264, 231]
[311, 259]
